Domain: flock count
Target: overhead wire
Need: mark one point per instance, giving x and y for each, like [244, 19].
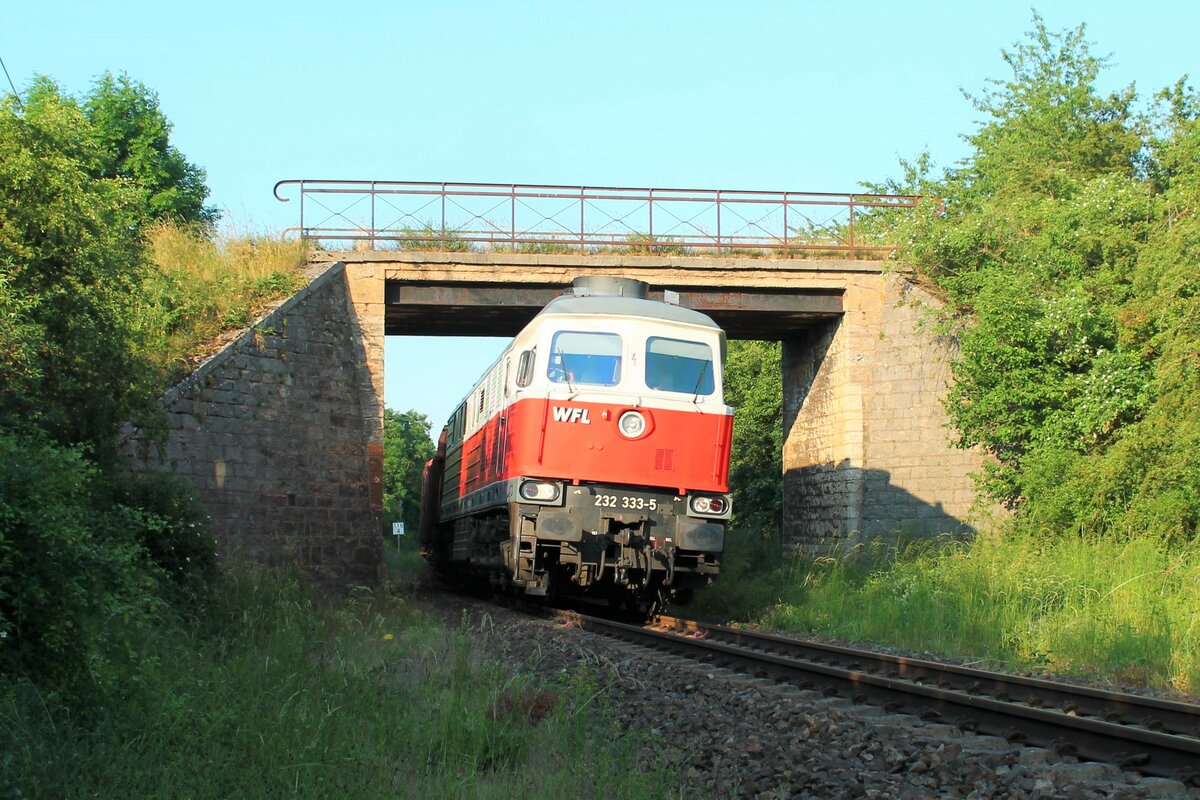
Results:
[11, 85]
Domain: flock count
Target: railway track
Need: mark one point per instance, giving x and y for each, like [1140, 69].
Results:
[1154, 737]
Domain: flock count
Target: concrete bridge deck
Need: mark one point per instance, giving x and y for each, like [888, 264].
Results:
[496, 294]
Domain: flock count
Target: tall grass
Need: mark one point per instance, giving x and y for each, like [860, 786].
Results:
[279, 693]
[197, 288]
[1121, 609]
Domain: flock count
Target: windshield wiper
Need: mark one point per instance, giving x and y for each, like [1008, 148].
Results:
[699, 380]
[562, 359]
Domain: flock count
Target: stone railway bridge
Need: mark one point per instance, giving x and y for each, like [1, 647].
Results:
[281, 432]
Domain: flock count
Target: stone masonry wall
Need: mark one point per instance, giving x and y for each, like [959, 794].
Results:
[867, 453]
[281, 433]
[823, 448]
[917, 481]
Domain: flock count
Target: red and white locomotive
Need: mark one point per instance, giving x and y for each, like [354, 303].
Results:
[593, 457]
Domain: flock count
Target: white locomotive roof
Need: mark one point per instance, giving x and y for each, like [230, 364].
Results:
[625, 307]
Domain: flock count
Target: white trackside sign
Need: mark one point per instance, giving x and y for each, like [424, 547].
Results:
[579, 415]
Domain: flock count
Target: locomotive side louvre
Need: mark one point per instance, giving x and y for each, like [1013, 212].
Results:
[592, 456]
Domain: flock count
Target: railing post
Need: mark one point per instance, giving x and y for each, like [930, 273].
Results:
[651, 234]
[718, 222]
[512, 218]
[303, 232]
[582, 189]
[852, 245]
[785, 225]
[442, 232]
[371, 235]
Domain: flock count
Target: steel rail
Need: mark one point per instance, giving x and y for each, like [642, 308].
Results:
[1152, 752]
[1148, 712]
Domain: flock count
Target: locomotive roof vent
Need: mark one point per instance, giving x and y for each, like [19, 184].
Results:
[604, 286]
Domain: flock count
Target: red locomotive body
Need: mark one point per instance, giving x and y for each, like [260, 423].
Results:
[592, 457]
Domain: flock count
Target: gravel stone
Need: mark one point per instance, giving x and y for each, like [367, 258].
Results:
[728, 735]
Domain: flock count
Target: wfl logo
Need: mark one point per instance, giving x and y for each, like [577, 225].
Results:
[579, 415]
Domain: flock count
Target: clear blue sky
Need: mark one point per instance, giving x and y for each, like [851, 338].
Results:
[798, 96]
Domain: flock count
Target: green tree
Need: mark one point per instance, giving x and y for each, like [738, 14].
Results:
[1048, 130]
[134, 143]
[69, 269]
[86, 552]
[406, 448]
[68, 586]
[1064, 246]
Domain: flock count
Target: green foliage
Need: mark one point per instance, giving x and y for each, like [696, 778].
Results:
[81, 182]
[1065, 246]
[166, 521]
[134, 144]
[68, 270]
[1047, 130]
[406, 448]
[434, 237]
[84, 561]
[88, 555]
[754, 387]
[59, 579]
[644, 244]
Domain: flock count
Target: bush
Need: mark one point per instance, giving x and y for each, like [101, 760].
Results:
[167, 521]
[63, 579]
[82, 572]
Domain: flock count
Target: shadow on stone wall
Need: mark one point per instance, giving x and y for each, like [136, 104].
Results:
[803, 354]
[833, 508]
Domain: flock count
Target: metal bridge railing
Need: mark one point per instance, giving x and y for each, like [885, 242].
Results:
[533, 218]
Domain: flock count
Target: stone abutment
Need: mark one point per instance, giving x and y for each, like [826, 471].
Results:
[867, 451]
[281, 433]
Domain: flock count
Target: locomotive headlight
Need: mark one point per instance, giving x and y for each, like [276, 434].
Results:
[708, 506]
[540, 491]
[631, 424]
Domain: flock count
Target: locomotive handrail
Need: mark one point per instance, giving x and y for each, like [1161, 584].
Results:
[541, 217]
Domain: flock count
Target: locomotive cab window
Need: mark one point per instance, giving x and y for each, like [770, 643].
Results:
[674, 365]
[588, 358]
[525, 367]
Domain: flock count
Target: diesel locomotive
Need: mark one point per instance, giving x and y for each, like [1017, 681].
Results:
[592, 458]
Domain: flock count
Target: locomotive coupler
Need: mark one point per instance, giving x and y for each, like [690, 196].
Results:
[627, 534]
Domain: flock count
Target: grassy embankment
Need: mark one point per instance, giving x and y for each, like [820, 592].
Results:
[1121, 609]
[273, 691]
[201, 288]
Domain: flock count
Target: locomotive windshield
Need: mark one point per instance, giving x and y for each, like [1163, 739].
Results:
[673, 365]
[588, 358]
